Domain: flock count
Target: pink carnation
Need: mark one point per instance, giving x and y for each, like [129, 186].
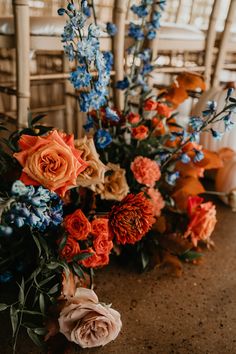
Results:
[145, 171]
[156, 200]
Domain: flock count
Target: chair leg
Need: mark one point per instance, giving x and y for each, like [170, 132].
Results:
[22, 38]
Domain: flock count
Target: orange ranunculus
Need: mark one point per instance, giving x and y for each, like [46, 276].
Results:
[140, 132]
[51, 161]
[70, 250]
[133, 118]
[131, 219]
[150, 105]
[77, 225]
[202, 220]
[145, 171]
[163, 110]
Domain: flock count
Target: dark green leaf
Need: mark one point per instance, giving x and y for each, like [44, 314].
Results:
[21, 296]
[42, 303]
[78, 270]
[63, 242]
[144, 259]
[14, 319]
[37, 244]
[3, 307]
[34, 337]
[37, 118]
[190, 255]
[40, 331]
[82, 256]
[53, 265]
[45, 281]
[54, 289]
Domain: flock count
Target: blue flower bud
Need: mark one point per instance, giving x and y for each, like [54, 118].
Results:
[61, 11]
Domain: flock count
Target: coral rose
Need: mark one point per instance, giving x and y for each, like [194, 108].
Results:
[163, 110]
[70, 250]
[150, 105]
[115, 186]
[140, 132]
[77, 225]
[95, 171]
[145, 171]
[99, 226]
[156, 200]
[131, 219]
[133, 118]
[202, 220]
[51, 161]
[87, 322]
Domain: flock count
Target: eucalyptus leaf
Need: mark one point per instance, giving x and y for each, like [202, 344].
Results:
[34, 337]
[78, 270]
[53, 265]
[54, 289]
[21, 296]
[82, 256]
[3, 307]
[42, 303]
[37, 244]
[14, 319]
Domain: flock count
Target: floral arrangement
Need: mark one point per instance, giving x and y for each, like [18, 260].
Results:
[128, 187]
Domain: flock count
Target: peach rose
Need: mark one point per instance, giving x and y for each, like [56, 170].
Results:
[77, 225]
[202, 220]
[140, 132]
[145, 171]
[95, 171]
[150, 105]
[115, 186]
[50, 160]
[87, 322]
[133, 118]
[156, 200]
[70, 250]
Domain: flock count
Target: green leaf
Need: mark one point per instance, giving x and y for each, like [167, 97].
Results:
[40, 331]
[37, 119]
[82, 256]
[14, 319]
[144, 259]
[191, 255]
[21, 296]
[42, 303]
[54, 289]
[37, 244]
[34, 337]
[63, 242]
[45, 281]
[78, 270]
[53, 265]
[3, 307]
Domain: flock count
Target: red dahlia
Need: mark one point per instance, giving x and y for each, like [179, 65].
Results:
[131, 219]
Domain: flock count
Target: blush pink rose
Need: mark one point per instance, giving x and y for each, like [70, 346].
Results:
[145, 171]
[51, 161]
[202, 220]
[87, 322]
[156, 200]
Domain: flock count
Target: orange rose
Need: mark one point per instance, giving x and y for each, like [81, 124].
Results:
[163, 110]
[150, 105]
[133, 118]
[99, 226]
[102, 245]
[95, 260]
[70, 250]
[202, 220]
[77, 225]
[51, 161]
[140, 133]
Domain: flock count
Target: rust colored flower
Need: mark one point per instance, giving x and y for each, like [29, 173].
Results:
[133, 118]
[95, 260]
[99, 226]
[131, 219]
[70, 250]
[202, 220]
[150, 105]
[163, 110]
[77, 225]
[140, 132]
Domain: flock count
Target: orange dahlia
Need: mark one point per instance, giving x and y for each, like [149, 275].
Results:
[131, 219]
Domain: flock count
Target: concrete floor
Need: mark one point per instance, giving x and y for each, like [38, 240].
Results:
[162, 314]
